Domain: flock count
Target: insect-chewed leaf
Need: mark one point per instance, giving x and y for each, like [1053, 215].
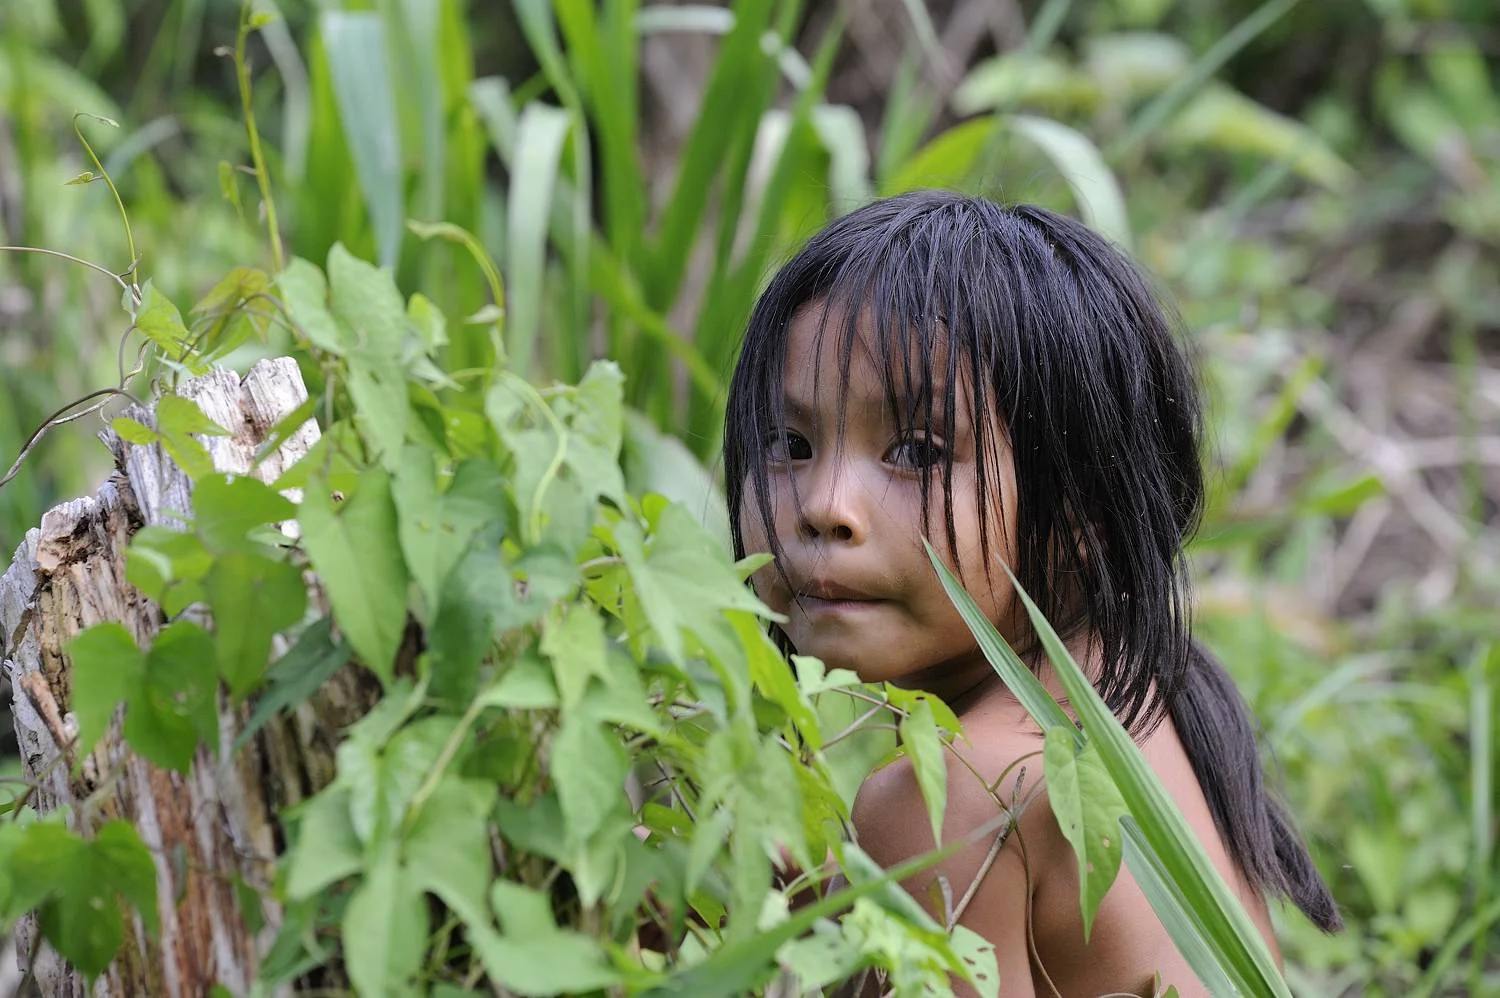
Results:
[1088, 807]
[357, 553]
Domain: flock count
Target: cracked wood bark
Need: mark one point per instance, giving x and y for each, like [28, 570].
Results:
[216, 826]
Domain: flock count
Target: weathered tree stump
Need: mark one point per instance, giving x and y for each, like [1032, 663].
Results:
[216, 827]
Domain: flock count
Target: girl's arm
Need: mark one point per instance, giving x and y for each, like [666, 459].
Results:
[890, 821]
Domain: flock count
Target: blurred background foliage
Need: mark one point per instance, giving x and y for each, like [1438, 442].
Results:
[1317, 184]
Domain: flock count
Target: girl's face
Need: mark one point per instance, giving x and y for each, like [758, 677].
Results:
[859, 592]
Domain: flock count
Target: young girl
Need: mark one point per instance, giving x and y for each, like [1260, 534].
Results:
[1002, 381]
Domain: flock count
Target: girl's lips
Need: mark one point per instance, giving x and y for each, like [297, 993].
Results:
[822, 605]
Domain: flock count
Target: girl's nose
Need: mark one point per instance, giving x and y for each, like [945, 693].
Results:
[830, 510]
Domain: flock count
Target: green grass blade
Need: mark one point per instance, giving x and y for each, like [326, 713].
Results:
[540, 137]
[604, 51]
[1223, 941]
[422, 86]
[733, 104]
[1170, 100]
[1079, 161]
[361, 76]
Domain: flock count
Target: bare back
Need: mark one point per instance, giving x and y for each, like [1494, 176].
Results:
[1026, 900]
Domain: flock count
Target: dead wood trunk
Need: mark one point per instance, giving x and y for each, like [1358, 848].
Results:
[215, 827]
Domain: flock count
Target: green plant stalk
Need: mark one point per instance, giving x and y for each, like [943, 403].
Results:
[257, 155]
[1205, 905]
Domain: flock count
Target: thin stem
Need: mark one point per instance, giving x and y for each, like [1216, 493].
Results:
[118, 279]
[58, 419]
[257, 156]
[104, 175]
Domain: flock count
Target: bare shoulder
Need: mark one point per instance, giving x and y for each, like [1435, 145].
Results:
[996, 805]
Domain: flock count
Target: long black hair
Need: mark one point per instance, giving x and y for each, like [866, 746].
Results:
[1069, 353]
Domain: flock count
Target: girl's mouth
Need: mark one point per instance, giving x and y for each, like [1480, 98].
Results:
[821, 605]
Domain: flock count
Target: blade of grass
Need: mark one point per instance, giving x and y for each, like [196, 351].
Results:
[421, 82]
[696, 18]
[1182, 870]
[574, 236]
[356, 48]
[540, 137]
[1482, 793]
[1091, 180]
[604, 53]
[1171, 100]
[296, 107]
[726, 114]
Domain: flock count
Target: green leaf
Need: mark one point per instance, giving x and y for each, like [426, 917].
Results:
[357, 553]
[118, 848]
[175, 707]
[366, 301]
[377, 385]
[133, 432]
[304, 290]
[383, 780]
[82, 882]
[448, 846]
[976, 959]
[167, 566]
[233, 290]
[297, 675]
[924, 747]
[253, 598]
[385, 931]
[227, 507]
[589, 769]
[177, 416]
[1088, 807]
[682, 576]
[534, 957]
[575, 644]
[438, 528]
[327, 849]
[107, 671]
[160, 321]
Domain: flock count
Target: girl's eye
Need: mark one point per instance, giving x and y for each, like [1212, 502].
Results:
[789, 446]
[916, 453]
